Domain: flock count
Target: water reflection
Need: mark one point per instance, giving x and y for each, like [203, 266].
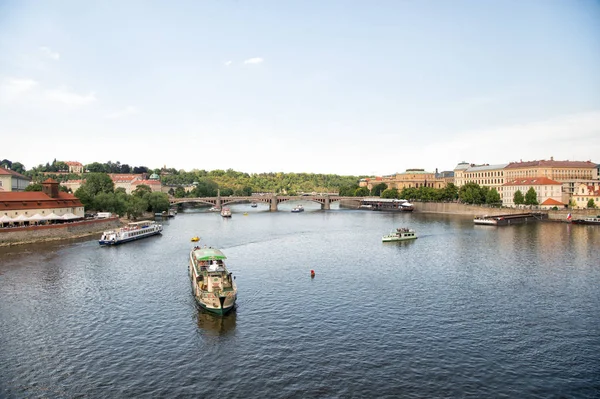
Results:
[215, 325]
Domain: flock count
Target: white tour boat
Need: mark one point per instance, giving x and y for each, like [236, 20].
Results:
[226, 212]
[298, 208]
[213, 285]
[133, 231]
[400, 234]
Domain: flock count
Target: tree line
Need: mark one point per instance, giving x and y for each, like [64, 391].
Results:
[98, 193]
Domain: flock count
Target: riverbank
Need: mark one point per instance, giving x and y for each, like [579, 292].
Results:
[56, 232]
[453, 208]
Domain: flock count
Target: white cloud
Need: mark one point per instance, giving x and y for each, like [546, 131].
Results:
[13, 88]
[127, 111]
[49, 53]
[29, 92]
[227, 63]
[67, 97]
[255, 60]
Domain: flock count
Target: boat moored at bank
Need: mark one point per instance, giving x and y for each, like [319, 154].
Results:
[213, 285]
[133, 231]
[386, 204]
[594, 220]
[400, 234]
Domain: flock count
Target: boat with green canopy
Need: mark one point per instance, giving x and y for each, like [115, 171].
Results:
[212, 284]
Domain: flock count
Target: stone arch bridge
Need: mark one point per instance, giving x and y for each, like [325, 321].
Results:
[273, 200]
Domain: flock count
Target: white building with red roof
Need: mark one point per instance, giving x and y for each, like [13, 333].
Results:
[49, 204]
[75, 167]
[548, 191]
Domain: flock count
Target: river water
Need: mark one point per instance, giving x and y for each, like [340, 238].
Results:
[464, 311]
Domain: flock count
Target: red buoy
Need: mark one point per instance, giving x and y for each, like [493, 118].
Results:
[312, 273]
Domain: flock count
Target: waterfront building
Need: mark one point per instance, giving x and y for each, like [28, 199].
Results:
[24, 205]
[585, 192]
[411, 178]
[569, 173]
[447, 176]
[548, 191]
[13, 181]
[491, 176]
[459, 171]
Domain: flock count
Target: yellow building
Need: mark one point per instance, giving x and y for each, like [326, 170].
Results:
[12, 181]
[412, 178]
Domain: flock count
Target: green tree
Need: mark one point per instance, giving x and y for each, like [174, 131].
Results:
[471, 193]
[142, 191]
[34, 187]
[98, 183]
[361, 192]
[95, 167]
[205, 188]
[518, 198]
[378, 189]
[390, 193]
[136, 206]
[591, 204]
[450, 192]
[180, 192]
[348, 190]
[409, 193]
[493, 197]
[158, 202]
[18, 167]
[531, 197]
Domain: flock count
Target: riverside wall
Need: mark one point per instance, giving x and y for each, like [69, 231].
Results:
[454, 208]
[33, 234]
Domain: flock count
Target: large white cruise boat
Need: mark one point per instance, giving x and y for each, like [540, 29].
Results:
[133, 231]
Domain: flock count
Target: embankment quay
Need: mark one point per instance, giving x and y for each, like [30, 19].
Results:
[54, 232]
[453, 208]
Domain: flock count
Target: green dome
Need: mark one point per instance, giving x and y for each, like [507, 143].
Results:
[154, 176]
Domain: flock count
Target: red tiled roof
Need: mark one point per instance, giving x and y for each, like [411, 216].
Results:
[532, 181]
[36, 200]
[591, 191]
[73, 163]
[4, 171]
[551, 164]
[50, 180]
[552, 201]
[147, 182]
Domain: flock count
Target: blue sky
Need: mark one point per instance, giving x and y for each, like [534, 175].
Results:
[345, 87]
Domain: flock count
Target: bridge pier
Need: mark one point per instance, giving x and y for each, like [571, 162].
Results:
[273, 205]
[327, 204]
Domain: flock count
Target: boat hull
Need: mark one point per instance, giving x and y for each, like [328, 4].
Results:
[587, 222]
[395, 239]
[220, 310]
